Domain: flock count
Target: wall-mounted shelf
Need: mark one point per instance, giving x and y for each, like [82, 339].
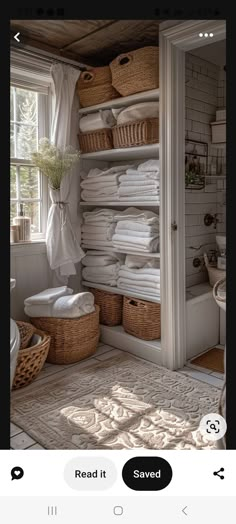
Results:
[126, 252]
[129, 153]
[122, 204]
[124, 292]
[123, 101]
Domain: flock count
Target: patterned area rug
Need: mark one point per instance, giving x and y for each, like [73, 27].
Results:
[120, 403]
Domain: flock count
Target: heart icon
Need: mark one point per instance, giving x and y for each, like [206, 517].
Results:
[17, 472]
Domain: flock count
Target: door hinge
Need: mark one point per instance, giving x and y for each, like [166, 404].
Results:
[174, 226]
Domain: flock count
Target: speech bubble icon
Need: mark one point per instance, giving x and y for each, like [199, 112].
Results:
[17, 473]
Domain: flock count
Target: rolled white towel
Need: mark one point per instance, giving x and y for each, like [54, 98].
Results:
[73, 306]
[99, 120]
[48, 296]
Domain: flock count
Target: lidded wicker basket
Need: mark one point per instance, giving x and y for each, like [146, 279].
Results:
[110, 307]
[142, 319]
[136, 71]
[72, 339]
[98, 140]
[95, 87]
[26, 331]
[31, 360]
[137, 133]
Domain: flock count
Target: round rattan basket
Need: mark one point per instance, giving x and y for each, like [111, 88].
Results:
[136, 71]
[72, 339]
[26, 331]
[137, 133]
[110, 307]
[141, 318]
[95, 87]
[31, 360]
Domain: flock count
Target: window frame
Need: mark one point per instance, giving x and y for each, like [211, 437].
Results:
[41, 82]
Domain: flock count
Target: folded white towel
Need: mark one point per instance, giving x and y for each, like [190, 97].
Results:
[129, 233]
[141, 198]
[93, 243]
[96, 236]
[95, 197]
[141, 175]
[150, 165]
[141, 278]
[138, 112]
[96, 172]
[136, 226]
[99, 120]
[99, 215]
[97, 261]
[74, 306]
[112, 270]
[48, 296]
[110, 277]
[148, 182]
[93, 183]
[141, 270]
[138, 190]
[132, 213]
[38, 310]
[140, 283]
[136, 262]
[138, 289]
[90, 228]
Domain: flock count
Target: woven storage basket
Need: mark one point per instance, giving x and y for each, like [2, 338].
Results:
[136, 133]
[26, 331]
[30, 361]
[110, 307]
[72, 339]
[95, 87]
[142, 319]
[215, 274]
[136, 71]
[95, 140]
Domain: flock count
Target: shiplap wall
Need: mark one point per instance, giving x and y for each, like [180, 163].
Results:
[205, 92]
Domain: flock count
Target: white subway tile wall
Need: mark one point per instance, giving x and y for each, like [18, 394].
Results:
[205, 93]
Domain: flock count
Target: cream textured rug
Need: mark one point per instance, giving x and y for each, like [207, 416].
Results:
[122, 402]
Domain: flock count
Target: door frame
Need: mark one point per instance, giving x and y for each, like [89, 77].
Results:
[174, 41]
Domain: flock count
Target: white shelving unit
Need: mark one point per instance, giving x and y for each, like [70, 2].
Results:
[123, 101]
[119, 291]
[116, 336]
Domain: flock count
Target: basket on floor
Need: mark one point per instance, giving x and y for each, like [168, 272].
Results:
[95, 87]
[142, 319]
[137, 133]
[110, 307]
[95, 140]
[136, 71]
[72, 339]
[31, 360]
[26, 331]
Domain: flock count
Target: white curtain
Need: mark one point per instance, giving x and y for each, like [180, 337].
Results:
[63, 237]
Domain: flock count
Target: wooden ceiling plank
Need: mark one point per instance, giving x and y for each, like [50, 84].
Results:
[88, 35]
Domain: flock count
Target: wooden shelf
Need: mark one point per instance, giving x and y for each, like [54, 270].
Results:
[127, 252]
[121, 204]
[124, 153]
[123, 101]
[119, 291]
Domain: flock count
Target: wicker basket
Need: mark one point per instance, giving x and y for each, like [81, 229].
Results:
[138, 133]
[136, 71]
[26, 331]
[95, 140]
[215, 274]
[142, 319]
[110, 307]
[95, 87]
[30, 361]
[72, 339]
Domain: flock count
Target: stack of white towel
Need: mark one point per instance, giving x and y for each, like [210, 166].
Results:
[59, 303]
[141, 275]
[142, 183]
[98, 120]
[102, 184]
[98, 228]
[102, 267]
[136, 230]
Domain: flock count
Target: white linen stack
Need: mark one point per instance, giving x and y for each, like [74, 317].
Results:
[136, 230]
[59, 303]
[98, 120]
[142, 183]
[102, 184]
[141, 275]
[98, 228]
[102, 267]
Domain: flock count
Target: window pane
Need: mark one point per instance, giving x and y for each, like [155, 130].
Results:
[32, 210]
[13, 182]
[13, 212]
[26, 141]
[29, 182]
[12, 104]
[12, 141]
[26, 106]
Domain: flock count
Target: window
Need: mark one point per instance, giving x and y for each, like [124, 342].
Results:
[30, 109]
